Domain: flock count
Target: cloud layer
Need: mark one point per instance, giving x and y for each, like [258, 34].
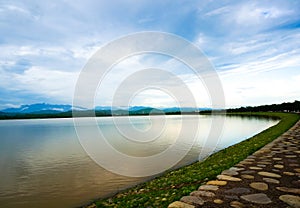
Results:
[254, 46]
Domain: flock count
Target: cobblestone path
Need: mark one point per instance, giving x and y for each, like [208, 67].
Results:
[268, 178]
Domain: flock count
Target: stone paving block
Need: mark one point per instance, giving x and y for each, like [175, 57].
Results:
[293, 201]
[193, 200]
[257, 198]
[178, 204]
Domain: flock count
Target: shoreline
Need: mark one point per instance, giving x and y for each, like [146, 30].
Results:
[172, 185]
[267, 178]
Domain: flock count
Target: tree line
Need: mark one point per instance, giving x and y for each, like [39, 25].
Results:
[283, 107]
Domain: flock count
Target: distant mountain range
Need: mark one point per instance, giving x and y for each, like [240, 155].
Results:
[38, 108]
[45, 108]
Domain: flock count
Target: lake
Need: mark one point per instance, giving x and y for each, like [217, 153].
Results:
[43, 164]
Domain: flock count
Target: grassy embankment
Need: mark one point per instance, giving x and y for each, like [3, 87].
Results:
[171, 186]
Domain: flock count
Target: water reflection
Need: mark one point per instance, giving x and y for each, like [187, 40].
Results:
[43, 165]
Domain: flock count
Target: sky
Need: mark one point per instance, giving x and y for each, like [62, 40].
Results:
[254, 47]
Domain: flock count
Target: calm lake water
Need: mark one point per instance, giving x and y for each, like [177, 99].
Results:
[42, 163]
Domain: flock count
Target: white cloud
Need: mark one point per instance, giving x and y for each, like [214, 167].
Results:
[219, 11]
[45, 45]
[4, 8]
[263, 88]
[130, 71]
[257, 60]
[255, 14]
[57, 85]
[153, 97]
[280, 61]
[15, 8]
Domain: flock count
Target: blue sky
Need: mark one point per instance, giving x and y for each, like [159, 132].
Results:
[254, 46]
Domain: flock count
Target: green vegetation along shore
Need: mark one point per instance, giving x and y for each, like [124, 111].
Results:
[171, 186]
